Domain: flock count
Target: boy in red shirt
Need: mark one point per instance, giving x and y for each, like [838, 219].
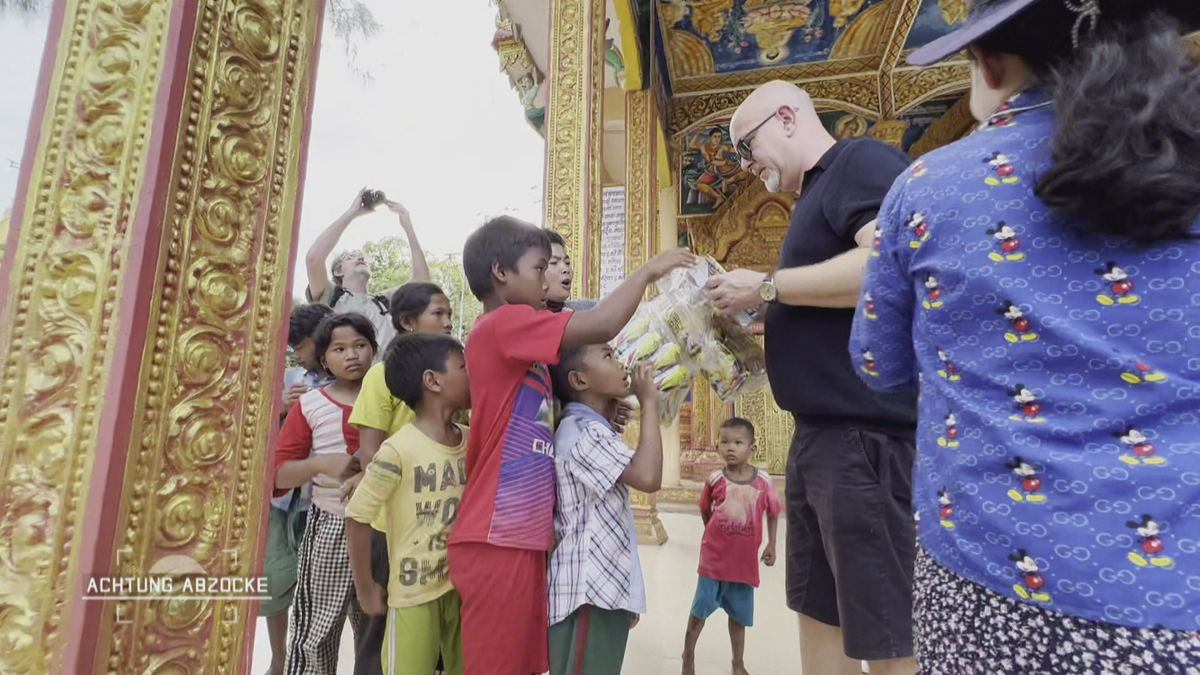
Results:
[732, 506]
[505, 523]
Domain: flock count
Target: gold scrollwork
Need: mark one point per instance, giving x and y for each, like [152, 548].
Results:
[576, 91]
[641, 179]
[858, 94]
[59, 324]
[915, 86]
[205, 402]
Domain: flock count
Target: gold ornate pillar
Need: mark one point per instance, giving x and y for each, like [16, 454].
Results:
[144, 287]
[641, 209]
[574, 123]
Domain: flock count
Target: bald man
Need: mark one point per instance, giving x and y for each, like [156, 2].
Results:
[850, 532]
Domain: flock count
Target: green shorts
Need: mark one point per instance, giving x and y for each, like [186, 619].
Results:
[417, 635]
[279, 560]
[591, 640]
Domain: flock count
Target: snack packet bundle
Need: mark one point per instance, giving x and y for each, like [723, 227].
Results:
[646, 339]
[722, 349]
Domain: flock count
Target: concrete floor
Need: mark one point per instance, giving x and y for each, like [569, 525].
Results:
[772, 645]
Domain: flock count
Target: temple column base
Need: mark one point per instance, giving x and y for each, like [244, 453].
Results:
[646, 522]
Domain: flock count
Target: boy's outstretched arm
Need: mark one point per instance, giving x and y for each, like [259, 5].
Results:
[605, 320]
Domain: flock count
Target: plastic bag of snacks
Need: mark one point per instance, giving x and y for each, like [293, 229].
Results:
[646, 339]
[720, 347]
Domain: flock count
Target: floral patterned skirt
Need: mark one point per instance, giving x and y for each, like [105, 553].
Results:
[963, 628]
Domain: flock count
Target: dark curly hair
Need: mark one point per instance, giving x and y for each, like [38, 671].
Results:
[1126, 146]
[304, 321]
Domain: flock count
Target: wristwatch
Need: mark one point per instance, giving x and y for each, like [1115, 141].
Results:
[767, 290]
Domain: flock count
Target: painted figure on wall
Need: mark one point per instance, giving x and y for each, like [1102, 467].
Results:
[533, 97]
[742, 35]
[612, 55]
[711, 171]
[772, 24]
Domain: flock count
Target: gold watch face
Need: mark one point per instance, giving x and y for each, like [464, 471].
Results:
[766, 291]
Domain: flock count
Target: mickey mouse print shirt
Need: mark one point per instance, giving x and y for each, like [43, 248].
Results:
[1059, 432]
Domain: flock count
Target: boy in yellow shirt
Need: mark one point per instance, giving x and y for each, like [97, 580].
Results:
[416, 480]
[416, 307]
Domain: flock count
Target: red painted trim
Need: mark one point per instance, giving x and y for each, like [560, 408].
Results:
[268, 480]
[101, 511]
[40, 96]
[581, 638]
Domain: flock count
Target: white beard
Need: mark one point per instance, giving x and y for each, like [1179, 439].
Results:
[771, 179]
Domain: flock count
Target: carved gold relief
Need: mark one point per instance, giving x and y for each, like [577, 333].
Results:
[641, 178]
[858, 94]
[576, 91]
[902, 14]
[747, 230]
[205, 402]
[915, 86]
[59, 322]
[701, 81]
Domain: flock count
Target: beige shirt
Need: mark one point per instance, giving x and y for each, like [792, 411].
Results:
[368, 307]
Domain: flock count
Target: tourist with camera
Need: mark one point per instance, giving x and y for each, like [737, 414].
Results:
[344, 286]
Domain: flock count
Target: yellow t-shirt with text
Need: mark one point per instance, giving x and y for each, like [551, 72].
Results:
[418, 483]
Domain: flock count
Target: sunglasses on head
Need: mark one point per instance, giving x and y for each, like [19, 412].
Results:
[743, 144]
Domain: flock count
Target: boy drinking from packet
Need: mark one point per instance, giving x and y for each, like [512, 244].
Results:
[416, 479]
[596, 587]
[505, 523]
[732, 505]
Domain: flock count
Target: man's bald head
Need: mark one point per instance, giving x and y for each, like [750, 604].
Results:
[767, 99]
[784, 135]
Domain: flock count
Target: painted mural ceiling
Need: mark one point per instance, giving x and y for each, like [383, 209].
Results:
[717, 45]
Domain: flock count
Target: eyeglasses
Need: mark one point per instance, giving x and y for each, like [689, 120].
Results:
[743, 144]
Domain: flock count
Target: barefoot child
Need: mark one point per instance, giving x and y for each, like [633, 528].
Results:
[732, 506]
[505, 524]
[317, 444]
[417, 480]
[596, 587]
[416, 307]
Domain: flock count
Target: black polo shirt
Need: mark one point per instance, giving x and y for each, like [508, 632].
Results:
[806, 347]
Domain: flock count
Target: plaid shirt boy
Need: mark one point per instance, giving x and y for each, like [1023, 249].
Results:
[595, 559]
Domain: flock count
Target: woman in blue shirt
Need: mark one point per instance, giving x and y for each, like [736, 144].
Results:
[1040, 280]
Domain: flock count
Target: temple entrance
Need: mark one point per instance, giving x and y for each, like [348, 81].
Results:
[155, 165]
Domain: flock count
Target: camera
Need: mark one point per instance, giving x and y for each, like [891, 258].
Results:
[372, 199]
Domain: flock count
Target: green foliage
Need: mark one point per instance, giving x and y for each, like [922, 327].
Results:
[391, 266]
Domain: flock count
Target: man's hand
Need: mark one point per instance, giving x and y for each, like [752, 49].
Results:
[664, 263]
[619, 415]
[633, 620]
[356, 207]
[768, 556]
[398, 209]
[293, 394]
[373, 599]
[736, 291]
[349, 485]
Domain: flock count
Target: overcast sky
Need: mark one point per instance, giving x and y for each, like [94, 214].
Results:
[437, 128]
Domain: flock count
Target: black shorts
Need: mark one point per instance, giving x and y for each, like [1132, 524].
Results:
[851, 538]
